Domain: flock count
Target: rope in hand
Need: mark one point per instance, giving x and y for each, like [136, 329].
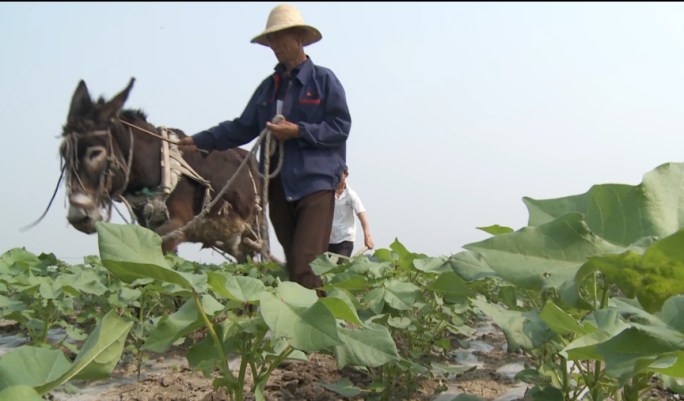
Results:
[264, 136]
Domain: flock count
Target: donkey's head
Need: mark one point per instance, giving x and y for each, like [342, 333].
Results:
[95, 152]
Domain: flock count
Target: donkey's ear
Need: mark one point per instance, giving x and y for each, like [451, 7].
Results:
[80, 102]
[114, 106]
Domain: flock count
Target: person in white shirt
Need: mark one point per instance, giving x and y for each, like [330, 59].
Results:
[347, 205]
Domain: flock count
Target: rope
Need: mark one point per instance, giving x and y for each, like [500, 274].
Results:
[28, 227]
[264, 135]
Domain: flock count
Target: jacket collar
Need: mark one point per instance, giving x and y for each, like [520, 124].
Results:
[302, 72]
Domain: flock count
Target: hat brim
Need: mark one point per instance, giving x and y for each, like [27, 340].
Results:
[311, 34]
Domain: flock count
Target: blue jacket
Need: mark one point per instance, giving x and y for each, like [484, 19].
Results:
[317, 103]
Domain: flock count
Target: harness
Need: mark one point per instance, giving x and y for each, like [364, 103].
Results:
[69, 165]
[152, 201]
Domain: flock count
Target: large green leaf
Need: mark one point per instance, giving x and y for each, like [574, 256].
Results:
[471, 266]
[450, 284]
[432, 265]
[18, 260]
[99, 354]
[238, 288]
[601, 326]
[21, 392]
[496, 229]
[369, 347]
[545, 256]
[623, 214]
[342, 307]
[652, 278]
[132, 252]
[522, 329]
[185, 320]
[32, 366]
[86, 282]
[624, 359]
[306, 325]
[559, 321]
[400, 295]
[344, 387]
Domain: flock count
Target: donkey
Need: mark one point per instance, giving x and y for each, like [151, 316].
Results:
[96, 150]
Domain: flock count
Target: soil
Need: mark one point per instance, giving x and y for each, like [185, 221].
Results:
[168, 378]
[301, 381]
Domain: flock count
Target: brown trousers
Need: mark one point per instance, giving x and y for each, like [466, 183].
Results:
[303, 229]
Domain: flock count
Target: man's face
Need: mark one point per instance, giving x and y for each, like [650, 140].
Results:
[286, 44]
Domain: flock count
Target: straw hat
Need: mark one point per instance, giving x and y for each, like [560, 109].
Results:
[285, 16]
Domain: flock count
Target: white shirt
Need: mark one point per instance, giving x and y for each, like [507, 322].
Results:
[347, 206]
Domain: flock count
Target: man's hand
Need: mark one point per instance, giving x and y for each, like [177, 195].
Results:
[284, 130]
[187, 145]
[368, 241]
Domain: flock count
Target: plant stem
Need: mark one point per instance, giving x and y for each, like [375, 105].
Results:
[46, 322]
[243, 368]
[595, 388]
[532, 301]
[595, 290]
[604, 298]
[286, 352]
[566, 382]
[225, 370]
[142, 330]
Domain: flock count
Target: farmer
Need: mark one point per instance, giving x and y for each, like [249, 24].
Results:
[313, 135]
[347, 205]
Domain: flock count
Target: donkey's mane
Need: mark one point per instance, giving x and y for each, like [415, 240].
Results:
[130, 114]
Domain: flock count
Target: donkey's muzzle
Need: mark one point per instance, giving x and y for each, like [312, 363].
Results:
[83, 219]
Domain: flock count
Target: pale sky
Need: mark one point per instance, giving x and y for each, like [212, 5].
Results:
[458, 109]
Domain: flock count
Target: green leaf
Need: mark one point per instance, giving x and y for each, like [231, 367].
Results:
[18, 260]
[99, 354]
[344, 387]
[399, 322]
[307, 326]
[323, 264]
[450, 284]
[496, 229]
[652, 278]
[347, 280]
[623, 214]
[400, 295]
[204, 356]
[559, 321]
[32, 366]
[522, 330]
[471, 266]
[544, 393]
[601, 325]
[621, 355]
[21, 392]
[186, 320]
[509, 297]
[368, 347]
[341, 306]
[238, 288]
[84, 282]
[546, 256]
[132, 252]
[432, 265]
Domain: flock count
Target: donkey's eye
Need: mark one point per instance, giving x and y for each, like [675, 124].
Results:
[95, 154]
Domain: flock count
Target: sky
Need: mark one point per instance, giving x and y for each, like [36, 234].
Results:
[458, 109]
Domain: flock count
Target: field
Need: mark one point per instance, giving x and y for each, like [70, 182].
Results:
[582, 304]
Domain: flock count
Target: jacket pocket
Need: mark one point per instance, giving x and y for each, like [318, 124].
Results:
[310, 110]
